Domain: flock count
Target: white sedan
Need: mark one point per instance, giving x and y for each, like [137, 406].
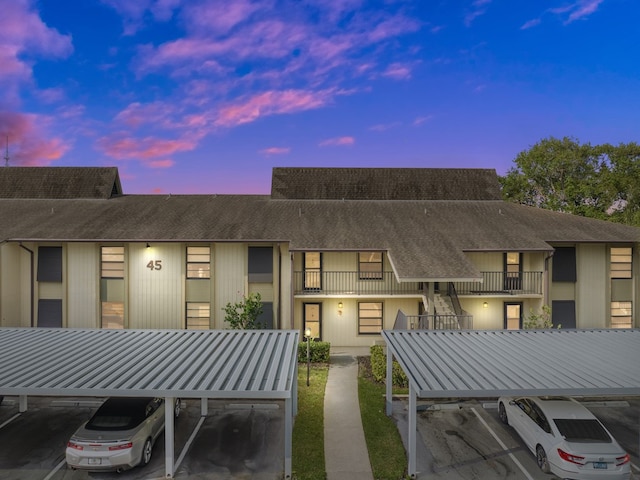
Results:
[566, 438]
[119, 436]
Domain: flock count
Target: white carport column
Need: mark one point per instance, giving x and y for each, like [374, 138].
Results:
[389, 383]
[288, 436]
[169, 455]
[413, 430]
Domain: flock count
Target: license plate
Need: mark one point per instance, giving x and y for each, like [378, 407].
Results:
[95, 461]
[600, 465]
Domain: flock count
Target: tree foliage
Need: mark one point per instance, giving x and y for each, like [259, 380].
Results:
[564, 175]
[244, 315]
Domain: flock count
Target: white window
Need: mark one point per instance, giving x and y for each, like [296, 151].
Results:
[198, 315]
[370, 318]
[198, 262]
[370, 265]
[621, 262]
[621, 315]
[112, 315]
[112, 262]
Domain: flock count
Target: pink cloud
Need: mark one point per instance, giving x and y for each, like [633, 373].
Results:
[275, 151]
[122, 146]
[136, 114]
[420, 120]
[164, 163]
[220, 17]
[29, 141]
[337, 141]
[384, 126]
[583, 8]
[576, 10]
[271, 103]
[397, 71]
[23, 35]
[531, 23]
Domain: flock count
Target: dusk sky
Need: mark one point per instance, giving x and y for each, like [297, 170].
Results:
[207, 96]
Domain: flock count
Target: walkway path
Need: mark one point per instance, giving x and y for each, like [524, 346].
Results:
[345, 449]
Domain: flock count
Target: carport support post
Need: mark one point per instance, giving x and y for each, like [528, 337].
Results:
[169, 455]
[204, 407]
[22, 406]
[288, 436]
[413, 429]
[389, 383]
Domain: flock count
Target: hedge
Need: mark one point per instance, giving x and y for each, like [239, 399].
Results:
[318, 352]
[379, 368]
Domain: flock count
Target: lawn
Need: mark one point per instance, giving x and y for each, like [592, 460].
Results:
[386, 452]
[308, 431]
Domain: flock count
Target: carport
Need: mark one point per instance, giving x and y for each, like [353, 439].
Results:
[206, 364]
[476, 364]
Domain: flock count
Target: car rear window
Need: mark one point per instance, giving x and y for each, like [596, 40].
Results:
[119, 414]
[582, 430]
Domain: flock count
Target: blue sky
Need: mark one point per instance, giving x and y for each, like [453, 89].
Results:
[207, 96]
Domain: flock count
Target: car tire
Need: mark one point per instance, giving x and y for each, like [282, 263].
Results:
[146, 452]
[502, 413]
[176, 408]
[542, 460]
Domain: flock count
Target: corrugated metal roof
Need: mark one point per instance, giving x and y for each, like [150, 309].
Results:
[169, 363]
[525, 362]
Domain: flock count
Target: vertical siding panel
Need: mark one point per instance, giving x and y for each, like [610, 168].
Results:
[83, 280]
[230, 278]
[591, 290]
[156, 296]
[15, 286]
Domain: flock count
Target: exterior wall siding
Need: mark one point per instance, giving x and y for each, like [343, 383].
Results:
[592, 291]
[15, 284]
[230, 278]
[83, 285]
[155, 296]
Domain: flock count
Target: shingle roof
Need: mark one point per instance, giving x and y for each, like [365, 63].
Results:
[426, 239]
[385, 184]
[59, 182]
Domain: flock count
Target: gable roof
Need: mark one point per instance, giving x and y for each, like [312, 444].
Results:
[426, 239]
[59, 182]
[385, 184]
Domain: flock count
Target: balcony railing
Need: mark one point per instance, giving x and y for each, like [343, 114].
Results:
[352, 283]
[503, 283]
[433, 322]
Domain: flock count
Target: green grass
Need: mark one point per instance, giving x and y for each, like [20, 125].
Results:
[308, 431]
[386, 452]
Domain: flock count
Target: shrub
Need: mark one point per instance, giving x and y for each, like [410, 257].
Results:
[318, 352]
[379, 368]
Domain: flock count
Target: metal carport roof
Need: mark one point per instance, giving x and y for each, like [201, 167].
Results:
[239, 364]
[473, 363]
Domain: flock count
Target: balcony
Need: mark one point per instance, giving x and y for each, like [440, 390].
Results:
[503, 283]
[433, 322]
[352, 283]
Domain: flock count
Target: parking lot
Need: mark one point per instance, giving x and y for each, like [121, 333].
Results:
[465, 439]
[457, 440]
[235, 440]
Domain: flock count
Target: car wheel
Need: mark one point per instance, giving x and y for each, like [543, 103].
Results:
[502, 413]
[146, 452]
[541, 459]
[176, 408]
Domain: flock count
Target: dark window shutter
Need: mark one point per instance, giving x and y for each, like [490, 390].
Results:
[563, 313]
[50, 264]
[261, 264]
[50, 313]
[564, 264]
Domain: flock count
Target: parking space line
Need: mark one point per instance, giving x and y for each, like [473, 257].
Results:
[189, 442]
[55, 470]
[501, 443]
[10, 420]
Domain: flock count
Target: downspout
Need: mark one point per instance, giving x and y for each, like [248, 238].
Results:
[33, 293]
[545, 281]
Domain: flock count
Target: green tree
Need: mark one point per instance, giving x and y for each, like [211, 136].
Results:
[538, 320]
[244, 315]
[564, 175]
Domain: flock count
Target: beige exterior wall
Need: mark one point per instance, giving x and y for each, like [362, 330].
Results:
[592, 287]
[15, 285]
[230, 278]
[83, 285]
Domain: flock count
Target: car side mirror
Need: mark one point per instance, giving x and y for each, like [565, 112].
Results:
[512, 402]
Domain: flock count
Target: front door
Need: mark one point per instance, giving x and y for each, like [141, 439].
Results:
[312, 271]
[513, 316]
[313, 319]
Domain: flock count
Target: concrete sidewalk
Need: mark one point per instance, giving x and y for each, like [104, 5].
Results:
[345, 449]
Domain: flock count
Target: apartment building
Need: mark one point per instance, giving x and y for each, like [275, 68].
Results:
[346, 252]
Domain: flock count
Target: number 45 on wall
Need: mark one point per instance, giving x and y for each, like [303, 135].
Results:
[154, 265]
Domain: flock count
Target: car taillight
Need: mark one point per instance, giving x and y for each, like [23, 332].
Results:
[622, 460]
[577, 459]
[122, 446]
[74, 445]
